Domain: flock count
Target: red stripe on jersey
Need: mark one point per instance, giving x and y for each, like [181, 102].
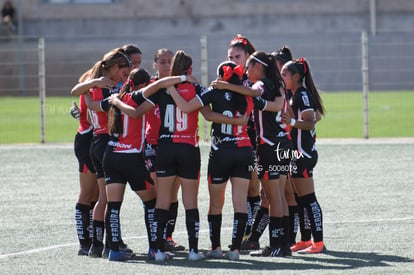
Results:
[84, 124]
[85, 169]
[99, 119]
[266, 175]
[209, 179]
[147, 185]
[305, 174]
[153, 125]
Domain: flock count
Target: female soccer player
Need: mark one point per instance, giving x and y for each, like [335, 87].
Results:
[178, 133]
[115, 66]
[124, 161]
[88, 187]
[231, 154]
[274, 146]
[240, 48]
[305, 103]
[162, 65]
[261, 220]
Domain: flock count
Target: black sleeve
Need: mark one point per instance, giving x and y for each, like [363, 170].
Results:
[105, 104]
[138, 97]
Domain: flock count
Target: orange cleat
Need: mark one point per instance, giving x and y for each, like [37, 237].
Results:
[300, 245]
[315, 248]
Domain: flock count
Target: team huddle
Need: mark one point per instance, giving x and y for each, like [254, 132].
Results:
[143, 130]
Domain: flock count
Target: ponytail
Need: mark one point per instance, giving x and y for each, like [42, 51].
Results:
[301, 66]
[135, 78]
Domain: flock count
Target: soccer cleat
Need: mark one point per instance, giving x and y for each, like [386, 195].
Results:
[124, 247]
[171, 245]
[151, 254]
[286, 250]
[300, 245]
[163, 256]
[250, 245]
[95, 251]
[193, 256]
[233, 255]
[215, 253]
[268, 252]
[119, 256]
[315, 248]
[105, 253]
[83, 251]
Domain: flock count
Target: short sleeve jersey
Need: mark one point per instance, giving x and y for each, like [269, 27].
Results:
[303, 140]
[269, 125]
[131, 140]
[232, 105]
[177, 126]
[84, 125]
[153, 122]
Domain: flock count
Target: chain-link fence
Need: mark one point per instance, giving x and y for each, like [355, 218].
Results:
[336, 62]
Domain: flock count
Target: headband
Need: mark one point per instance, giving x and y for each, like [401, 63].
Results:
[260, 61]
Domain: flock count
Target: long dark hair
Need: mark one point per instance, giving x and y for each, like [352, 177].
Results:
[301, 66]
[116, 56]
[181, 63]
[135, 78]
[283, 55]
[269, 63]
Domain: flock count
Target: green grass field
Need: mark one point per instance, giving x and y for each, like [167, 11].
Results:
[365, 189]
[390, 115]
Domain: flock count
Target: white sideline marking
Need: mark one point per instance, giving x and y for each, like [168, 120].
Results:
[40, 249]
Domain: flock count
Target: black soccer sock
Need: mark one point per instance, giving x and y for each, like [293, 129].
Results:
[253, 205]
[171, 222]
[149, 209]
[285, 231]
[90, 227]
[275, 231]
[239, 222]
[315, 216]
[113, 224]
[158, 226]
[82, 224]
[304, 224]
[214, 225]
[293, 224]
[98, 232]
[192, 221]
[260, 223]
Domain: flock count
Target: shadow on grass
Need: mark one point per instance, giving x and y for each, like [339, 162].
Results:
[330, 260]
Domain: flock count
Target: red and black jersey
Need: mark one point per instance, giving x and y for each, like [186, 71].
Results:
[232, 105]
[153, 122]
[303, 140]
[100, 119]
[131, 140]
[269, 125]
[177, 126]
[84, 125]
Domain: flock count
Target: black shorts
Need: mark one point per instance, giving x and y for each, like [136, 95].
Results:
[97, 150]
[126, 167]
[231, 162]
[302, 167]
[150, 156]
[273, 161]
[82, 144]
[178, 159]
